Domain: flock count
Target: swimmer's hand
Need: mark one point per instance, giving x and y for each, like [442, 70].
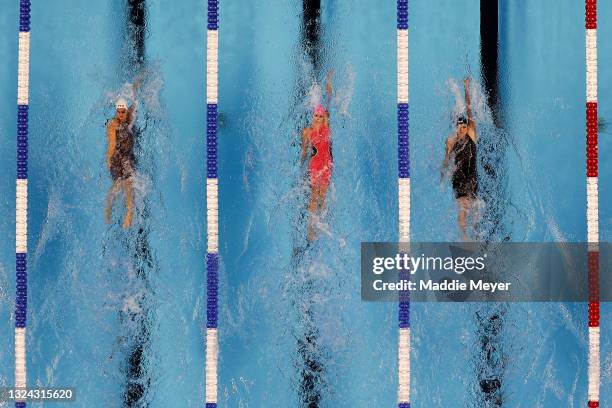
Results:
[328, 85]
[444, 171]
[139, 78]
[466, 82]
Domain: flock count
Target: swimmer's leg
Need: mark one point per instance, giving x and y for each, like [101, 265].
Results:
[475, 216]
[313, 207]
[112, 192]
[322, 194]
[128, 188]
[464, 204]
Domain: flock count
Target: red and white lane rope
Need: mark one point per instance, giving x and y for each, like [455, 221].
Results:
[592, 202]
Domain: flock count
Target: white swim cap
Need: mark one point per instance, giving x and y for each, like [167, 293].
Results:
[121, 104]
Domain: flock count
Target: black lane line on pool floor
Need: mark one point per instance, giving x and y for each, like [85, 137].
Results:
[311, 370]
[489, 358]
[138, 363]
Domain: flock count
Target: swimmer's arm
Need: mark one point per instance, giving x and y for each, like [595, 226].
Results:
[305, 145]
[133, 113]
[468, 101]
[328, 93]
[133, 110]
[111, 134]
[468, 104]
[139, 78]
[472, 131]
[450, 142]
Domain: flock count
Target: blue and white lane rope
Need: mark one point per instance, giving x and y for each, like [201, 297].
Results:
[212, 205]
[21, 216]
[403, 156]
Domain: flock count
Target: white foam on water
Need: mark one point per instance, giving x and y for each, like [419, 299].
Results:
[343, 93]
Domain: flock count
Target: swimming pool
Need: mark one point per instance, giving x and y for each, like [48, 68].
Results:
[98, 294]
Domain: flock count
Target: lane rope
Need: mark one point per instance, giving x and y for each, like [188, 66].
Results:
[21, 216]
[594, 368]
[403, 156]
[212, 206]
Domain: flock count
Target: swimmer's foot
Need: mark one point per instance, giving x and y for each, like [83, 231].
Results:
[127, 222]
[311, 233]
[109, 215]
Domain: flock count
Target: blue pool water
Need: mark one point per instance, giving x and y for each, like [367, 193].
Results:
[93, 288]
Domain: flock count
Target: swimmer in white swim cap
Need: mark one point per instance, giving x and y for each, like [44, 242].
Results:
[120, 157]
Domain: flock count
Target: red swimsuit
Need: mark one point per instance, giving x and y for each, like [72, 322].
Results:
[321, 162]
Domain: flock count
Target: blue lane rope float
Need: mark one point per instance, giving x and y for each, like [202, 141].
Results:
[212, 206]
[403, 157]
[21, 214]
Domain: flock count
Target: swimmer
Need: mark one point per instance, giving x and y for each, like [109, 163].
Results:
[316, 138]
[120, 157]
[462, 146]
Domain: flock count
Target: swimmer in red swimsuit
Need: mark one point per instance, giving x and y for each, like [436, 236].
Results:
[317, 139]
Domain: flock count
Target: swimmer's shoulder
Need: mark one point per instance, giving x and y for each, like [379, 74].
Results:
[306, 132]
[450, 142]
[472, 133]
[112, 124]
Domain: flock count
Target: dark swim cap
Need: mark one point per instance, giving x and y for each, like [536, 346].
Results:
[462, 120]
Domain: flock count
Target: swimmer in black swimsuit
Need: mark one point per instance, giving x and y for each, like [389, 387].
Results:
[120, 157]
[462, 146]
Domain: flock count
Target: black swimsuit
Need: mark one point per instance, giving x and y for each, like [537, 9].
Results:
[465, 178]
[122, 161]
